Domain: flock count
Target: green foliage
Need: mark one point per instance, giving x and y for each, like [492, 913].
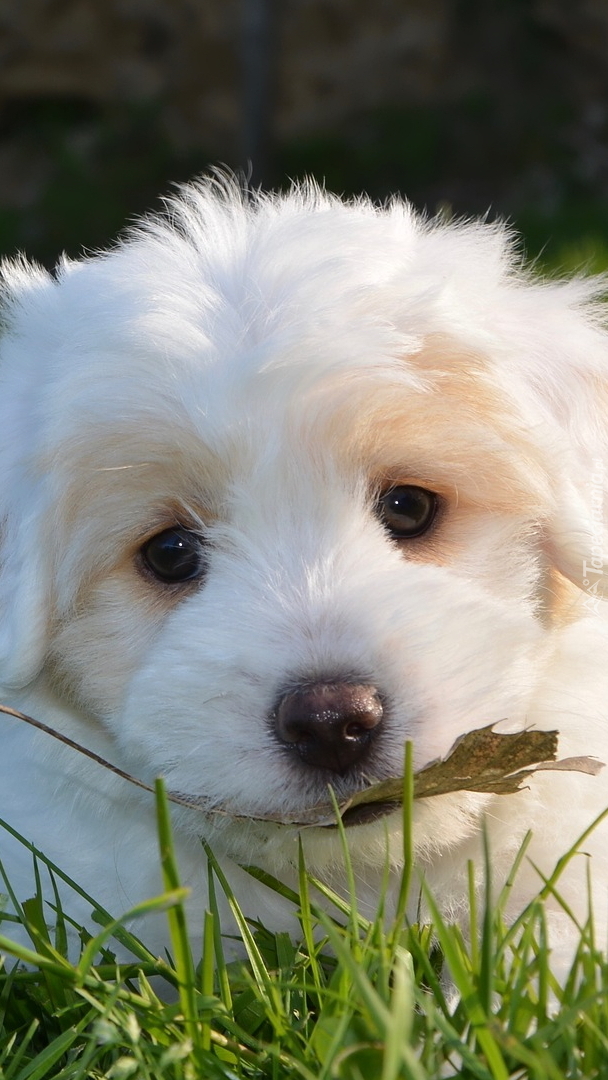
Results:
[355, 999]
[87, 169]
[92, 168]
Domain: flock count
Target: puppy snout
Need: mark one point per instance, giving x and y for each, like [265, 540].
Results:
[330, 725]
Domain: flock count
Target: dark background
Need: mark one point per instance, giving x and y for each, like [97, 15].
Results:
[469, 106]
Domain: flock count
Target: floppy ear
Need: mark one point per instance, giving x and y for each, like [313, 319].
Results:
[26, 292]
[565, 353]
[577, 543]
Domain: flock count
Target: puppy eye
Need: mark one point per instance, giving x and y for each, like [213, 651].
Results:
[407, 510]
[174, 555]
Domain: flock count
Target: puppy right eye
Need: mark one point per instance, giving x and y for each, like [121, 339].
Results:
[407, 510]
[174, 555]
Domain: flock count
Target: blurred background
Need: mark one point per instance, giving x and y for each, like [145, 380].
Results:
[469, 106]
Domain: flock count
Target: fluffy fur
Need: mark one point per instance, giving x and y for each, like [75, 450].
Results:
[257, 370]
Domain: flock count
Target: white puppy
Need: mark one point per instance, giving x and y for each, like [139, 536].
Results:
[285, 482]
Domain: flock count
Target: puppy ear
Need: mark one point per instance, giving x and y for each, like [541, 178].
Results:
[577, 543]
[566, 357]
[25, 293]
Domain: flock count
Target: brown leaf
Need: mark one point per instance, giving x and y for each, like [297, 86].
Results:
[483, 760]
[486, 760]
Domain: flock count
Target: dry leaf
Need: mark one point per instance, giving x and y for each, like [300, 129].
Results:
[483, 760]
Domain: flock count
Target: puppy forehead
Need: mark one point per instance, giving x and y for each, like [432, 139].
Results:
[215, 365]
[298, 331]
[236, 323]
[450, 432]
[230, 296]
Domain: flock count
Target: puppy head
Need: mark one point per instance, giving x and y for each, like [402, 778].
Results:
[271, 463]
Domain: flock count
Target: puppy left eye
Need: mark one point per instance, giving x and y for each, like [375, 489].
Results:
[174, 555]
[407, 510]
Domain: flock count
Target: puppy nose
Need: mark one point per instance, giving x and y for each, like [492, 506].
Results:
[329, 724]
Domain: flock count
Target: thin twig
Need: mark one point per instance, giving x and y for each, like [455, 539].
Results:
[88, 753]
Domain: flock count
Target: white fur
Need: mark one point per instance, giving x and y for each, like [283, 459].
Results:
[258, 367]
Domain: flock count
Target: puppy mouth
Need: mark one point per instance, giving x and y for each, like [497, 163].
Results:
[483, 760]
[324, 816]
[365, 814]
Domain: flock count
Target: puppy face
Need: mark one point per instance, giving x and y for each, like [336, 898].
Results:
[282, 495]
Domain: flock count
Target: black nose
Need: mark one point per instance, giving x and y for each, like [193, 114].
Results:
[329, 724]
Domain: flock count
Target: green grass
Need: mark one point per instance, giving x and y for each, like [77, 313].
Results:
[351, 1000]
